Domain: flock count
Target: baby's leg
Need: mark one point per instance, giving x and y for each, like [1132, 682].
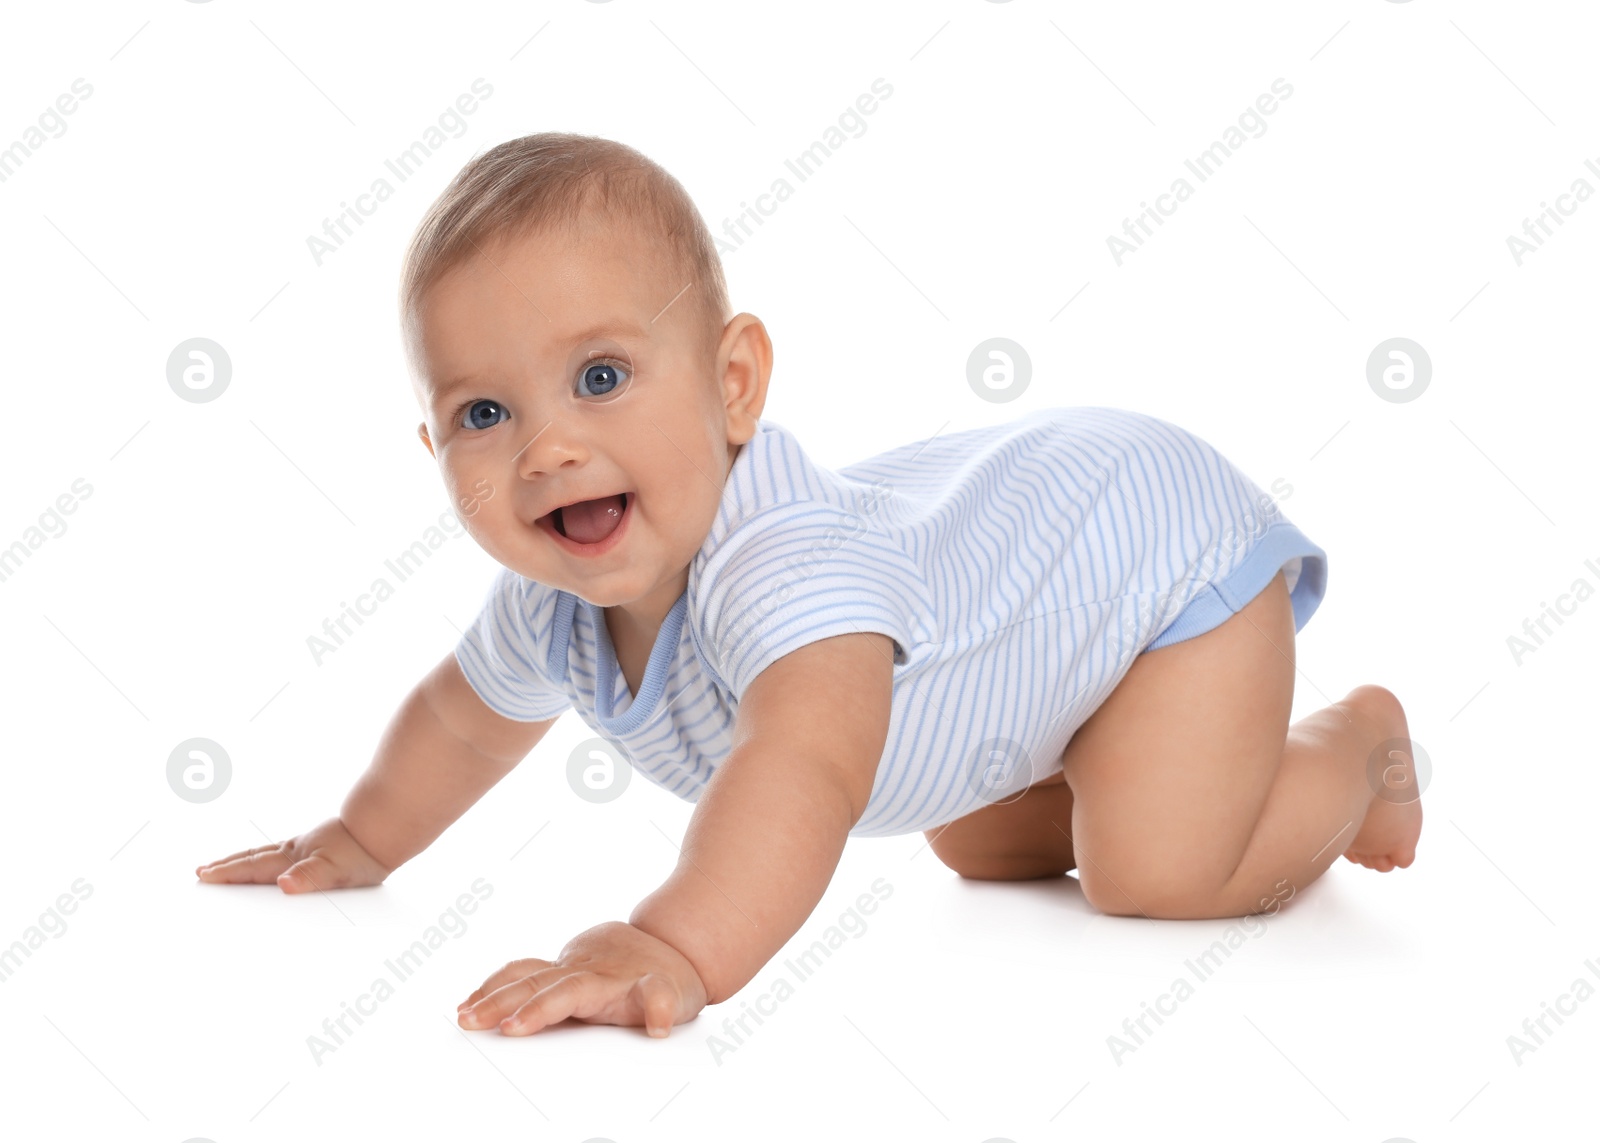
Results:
[1192, 796]
[1019, 839]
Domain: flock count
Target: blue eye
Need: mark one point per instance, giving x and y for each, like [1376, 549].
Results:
[603, 379]
[480, 414]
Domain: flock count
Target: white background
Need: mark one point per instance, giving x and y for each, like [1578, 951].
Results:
[977, 203]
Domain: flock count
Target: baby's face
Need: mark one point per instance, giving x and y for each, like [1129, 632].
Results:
[561, 368]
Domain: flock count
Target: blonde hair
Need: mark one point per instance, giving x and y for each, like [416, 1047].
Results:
[552, 179]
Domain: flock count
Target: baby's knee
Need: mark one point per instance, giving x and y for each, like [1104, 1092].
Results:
[981, 864]
[1007, 868]
[1159, 895]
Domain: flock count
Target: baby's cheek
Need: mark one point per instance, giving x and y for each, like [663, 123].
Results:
[461, 481]
[472, 496]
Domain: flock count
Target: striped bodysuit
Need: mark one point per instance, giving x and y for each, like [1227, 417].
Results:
[1019, 569]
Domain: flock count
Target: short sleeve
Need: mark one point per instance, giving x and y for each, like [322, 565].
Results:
[503, 653]
[797, 573]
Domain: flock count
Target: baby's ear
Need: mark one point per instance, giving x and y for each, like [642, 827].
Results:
[422, 431]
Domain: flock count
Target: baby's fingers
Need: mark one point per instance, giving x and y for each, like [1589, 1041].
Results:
[657, 998]
[261, 864]
[579, 994]
[314, 873]
[251, 852]
[516, 970]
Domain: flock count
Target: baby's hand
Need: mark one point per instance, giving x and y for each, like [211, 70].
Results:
[326, 857]
[610, 974]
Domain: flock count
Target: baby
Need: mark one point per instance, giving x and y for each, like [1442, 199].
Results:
[1064, 642]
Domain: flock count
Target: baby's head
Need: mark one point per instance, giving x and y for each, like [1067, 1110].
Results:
[567, 324]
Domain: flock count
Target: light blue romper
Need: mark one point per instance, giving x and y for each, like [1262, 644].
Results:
[1019, 569]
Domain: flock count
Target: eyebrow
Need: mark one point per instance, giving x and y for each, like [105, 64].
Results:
[602, 329]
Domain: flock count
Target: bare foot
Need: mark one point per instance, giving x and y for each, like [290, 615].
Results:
[1388, 835]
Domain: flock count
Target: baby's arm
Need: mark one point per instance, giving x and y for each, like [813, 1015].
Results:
[767, 832]
[441, 752]
[760, 849]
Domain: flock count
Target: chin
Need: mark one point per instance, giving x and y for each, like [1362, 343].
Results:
[602, 597]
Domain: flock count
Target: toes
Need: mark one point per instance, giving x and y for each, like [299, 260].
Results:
[1383, 863]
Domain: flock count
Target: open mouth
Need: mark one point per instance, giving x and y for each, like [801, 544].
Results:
[588, 522]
